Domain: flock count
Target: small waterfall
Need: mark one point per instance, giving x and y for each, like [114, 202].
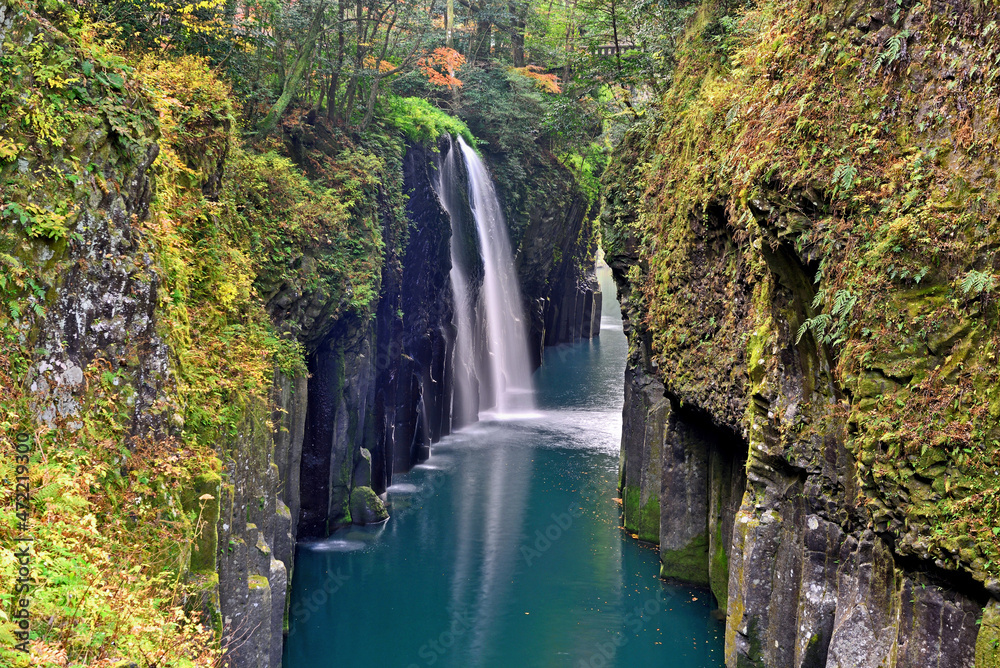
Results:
[465, 407]
[509, 361]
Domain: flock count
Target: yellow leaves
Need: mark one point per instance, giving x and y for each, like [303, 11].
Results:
[383, 66]
[9, 150]
[237, 286]
[59, 82]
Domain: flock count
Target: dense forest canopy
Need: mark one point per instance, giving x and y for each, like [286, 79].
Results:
[587, 59]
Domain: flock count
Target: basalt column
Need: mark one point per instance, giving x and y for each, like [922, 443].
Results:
[415, 334]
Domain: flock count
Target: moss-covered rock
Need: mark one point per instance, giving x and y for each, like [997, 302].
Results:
[202, 500]
[367, 507]
[988, 640]
[688, 564]
[804, 234]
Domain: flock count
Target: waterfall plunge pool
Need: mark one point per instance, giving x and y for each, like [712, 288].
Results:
[504, 549]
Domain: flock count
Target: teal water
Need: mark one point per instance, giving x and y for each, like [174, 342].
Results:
[505, 550]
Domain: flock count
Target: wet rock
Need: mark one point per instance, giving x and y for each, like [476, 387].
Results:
[367, 507]
[363, 469]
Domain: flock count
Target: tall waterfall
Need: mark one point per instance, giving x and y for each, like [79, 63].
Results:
[509, 361]
[465, 406]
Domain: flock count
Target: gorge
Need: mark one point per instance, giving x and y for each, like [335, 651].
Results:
[504, 548]
[305, 360]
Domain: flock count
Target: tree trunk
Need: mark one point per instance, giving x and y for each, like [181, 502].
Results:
[570, 33]
[450, 24]
[518, 21]
[302, 62]
[614, 28]
[331, 110]
[484, 34]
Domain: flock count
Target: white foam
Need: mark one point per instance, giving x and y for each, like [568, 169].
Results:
[335, 545]
[402, 488]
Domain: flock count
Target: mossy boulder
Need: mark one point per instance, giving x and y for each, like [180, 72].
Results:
[367, 507]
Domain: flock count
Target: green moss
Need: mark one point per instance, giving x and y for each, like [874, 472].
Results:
[201, 499]
[718, 574]
[642, 519]
[753, 658]
[367, 507]
[871, 221]
[419, 120]
[257, 583]
[988, 639]
[688, 564]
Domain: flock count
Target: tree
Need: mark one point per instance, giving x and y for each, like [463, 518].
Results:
[303, 60]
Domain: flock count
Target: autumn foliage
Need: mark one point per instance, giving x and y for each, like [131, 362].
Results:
[547, 82]
[440, 65]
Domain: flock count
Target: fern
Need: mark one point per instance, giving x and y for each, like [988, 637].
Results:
[843, 303]
[844, 176]
[976, 283]
[894, 48]
[817, 325]
[823, 326]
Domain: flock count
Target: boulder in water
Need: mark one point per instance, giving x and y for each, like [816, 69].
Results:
[366, 507]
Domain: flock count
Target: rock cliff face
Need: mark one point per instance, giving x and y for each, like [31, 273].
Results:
[242, 358]
[804, 315]
[555, 261]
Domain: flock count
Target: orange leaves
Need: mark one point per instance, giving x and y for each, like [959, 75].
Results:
[383, 66]
[547, 82]
[440, 66]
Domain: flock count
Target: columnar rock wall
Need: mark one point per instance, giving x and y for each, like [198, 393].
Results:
[812, 397]
[555, 259]
[802, 579]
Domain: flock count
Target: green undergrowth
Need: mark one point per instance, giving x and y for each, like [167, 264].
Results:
[110, 538]
[122, 521]
[836, 155]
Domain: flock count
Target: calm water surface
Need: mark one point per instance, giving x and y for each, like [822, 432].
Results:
[504, 549]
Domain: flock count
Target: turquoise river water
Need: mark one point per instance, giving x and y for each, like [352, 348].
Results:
[504, 549]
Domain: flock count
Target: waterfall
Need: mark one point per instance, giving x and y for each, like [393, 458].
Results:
[507, 336]
[465, 406]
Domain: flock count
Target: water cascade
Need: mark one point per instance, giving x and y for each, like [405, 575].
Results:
[510, 366]
[465, 407]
